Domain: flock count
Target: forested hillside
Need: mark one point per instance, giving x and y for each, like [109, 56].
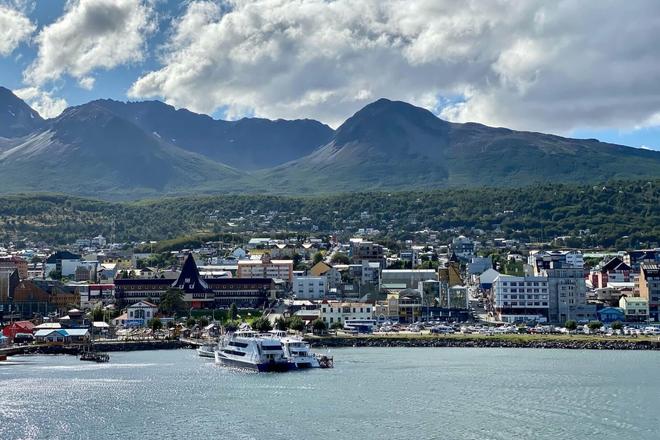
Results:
[621, 214]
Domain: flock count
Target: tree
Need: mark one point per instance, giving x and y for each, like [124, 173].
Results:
[203, 322]
[340, 258]
[281, 323]
[319, 327]
[571, 325]
[262, 325]
[190, 322]
[155, 324]
[296, 324]
[55, 274]
[233, 312]
[171, 301]
[97, 314]
[617, 325]
[232, 326]
[318, 257]
[594, 325]
[336, 325]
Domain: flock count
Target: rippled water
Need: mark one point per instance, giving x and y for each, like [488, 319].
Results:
[372, 393]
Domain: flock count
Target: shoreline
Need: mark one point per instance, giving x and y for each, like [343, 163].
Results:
[505, 341]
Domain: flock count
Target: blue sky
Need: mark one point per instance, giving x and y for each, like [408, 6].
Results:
[530, 67]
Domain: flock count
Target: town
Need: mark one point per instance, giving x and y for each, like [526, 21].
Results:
[94, 289]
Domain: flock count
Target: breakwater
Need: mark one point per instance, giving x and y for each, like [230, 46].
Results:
[106, 346]
[543, 342]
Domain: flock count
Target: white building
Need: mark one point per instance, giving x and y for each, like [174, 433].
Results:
[139, 314]
[266, 268]
[310, 287]
[521, 298]
[336, 311]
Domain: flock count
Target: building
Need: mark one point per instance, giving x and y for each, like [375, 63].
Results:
[14, 262]
[406, 278]
[310, 287]
[329, 272]
[361, 250]
[9, 280]
[42, 297]
[649, 288]
[635, 309]
[608, 315]
[266, 268]
[199, 292]
[567, 289]
[463, 247]
[139, 314]
[335, 311]
[635, 258]
[520, 299]
[62, 262]
[479, 265]
[14, 328]
[613, 270]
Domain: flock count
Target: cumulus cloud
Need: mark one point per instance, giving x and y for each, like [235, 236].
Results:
[15, 28]
[47, 105]
[533, 65]
[91, 35]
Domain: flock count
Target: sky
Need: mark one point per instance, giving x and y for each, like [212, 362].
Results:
[586, 68]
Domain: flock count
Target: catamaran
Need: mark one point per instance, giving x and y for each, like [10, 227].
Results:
[246, 349]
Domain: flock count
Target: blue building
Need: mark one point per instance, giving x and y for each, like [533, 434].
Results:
[611, 314]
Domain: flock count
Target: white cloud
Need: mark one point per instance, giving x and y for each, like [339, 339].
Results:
[15, 28]
[43, 102]
[91, 35]
[534, 64]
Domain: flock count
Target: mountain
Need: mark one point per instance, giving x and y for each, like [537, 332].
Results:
[89, 150]
[115, 150]
[16, 117]
[394, 145]
[246, 144]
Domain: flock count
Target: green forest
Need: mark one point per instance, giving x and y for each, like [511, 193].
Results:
[621, 214]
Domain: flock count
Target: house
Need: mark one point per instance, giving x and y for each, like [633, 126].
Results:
[335, 311]
[139, 314]
[611, 314]
[62, 336]
[322, 269]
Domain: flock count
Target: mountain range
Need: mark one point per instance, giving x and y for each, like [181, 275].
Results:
[116, 150]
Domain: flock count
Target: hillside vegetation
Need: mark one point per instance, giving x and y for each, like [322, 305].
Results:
[622, 214]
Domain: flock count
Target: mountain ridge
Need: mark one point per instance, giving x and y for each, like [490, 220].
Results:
[118, 150]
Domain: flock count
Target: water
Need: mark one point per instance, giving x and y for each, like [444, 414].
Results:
[372, 393]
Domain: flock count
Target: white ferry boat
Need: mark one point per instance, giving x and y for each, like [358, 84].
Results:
[298, 352]
[246, 349]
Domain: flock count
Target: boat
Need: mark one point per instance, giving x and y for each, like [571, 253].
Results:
[298, 352]
[245, 349]
[206, 350]
[94, 356]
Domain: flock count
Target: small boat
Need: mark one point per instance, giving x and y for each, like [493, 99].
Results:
[206, 350]
[247, 350]
[94, 356]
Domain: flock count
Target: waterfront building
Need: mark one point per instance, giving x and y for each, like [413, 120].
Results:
[635, 309]
[266, 268]
[608, 315]
[310, 287]
[649, 288]
[337, 311]
[199, 292]
[12, 329]
[567, 289]
[520, 299]
[139, 314]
